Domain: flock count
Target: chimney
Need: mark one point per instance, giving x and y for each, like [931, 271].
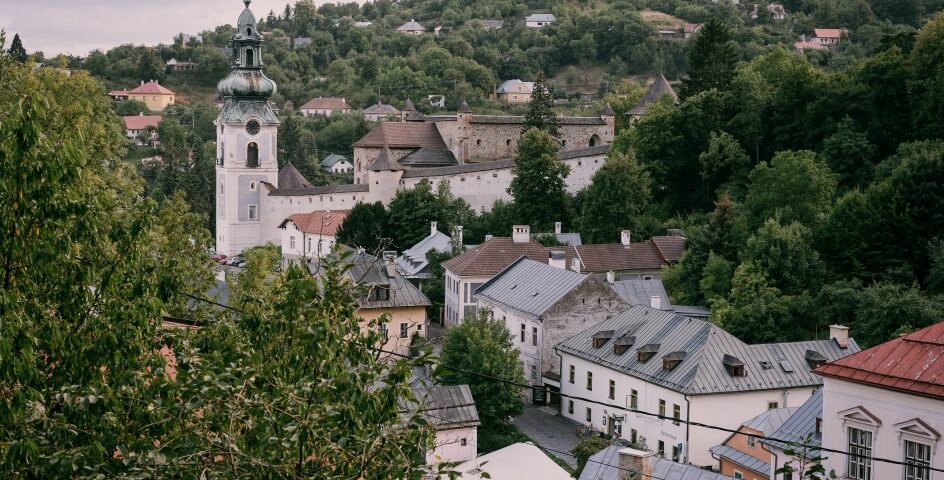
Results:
[638, 461]
[432, 228]
[557, 228]
[575, 265]
[389, 259]
[142, 82]
[611, 277]
[488, 236]
[457, 235]
[625, 236]
[557, 259]
[840, 333]
[655, 302]
[521, 233]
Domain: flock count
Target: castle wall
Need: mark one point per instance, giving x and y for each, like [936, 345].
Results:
[364, 155]
[276, 208]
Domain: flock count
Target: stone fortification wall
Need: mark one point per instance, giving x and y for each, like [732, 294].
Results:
[275, 208]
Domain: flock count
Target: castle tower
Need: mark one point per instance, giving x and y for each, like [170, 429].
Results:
[246, 134]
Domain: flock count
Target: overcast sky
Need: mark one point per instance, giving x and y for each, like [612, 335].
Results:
[79, 26]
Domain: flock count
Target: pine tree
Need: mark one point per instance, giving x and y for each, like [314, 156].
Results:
[17, 52]
[541, 113]
[711, 59]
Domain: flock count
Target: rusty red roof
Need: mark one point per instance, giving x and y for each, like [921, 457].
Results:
[152, 88]
[319, 222]
[912, 363]
[403, 135]
[604, 257]
[327, 103]
[670, 247]
[140, 122]
[828, 32]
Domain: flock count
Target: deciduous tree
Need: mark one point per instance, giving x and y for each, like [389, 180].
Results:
[538, 185]
[618, 194]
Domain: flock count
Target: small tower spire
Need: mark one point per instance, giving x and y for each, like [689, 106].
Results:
[247, 2]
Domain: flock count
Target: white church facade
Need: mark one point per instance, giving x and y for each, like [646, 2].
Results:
[473, 153]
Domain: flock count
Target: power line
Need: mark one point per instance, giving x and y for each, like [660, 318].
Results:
[641, 412]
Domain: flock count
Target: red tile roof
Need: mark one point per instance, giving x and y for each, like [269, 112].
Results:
[670, 247]
[913, 363]
[319, 222]
[403, 135]
[152, 87]
[808, 45]
[604, 257]
[327, 103]
[828, 32]
[140, 122]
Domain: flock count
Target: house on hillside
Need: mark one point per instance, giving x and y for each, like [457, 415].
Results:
[136, 125]
[742, 454]
[803, 45]
[335, 163]
[543, 304]
[805, 424]
[617, 462]
[312, 235]
[382, 111]
[539, 20]
[491, 24]
[626, 259]
[187, 39]
[515, 91]
[326, 106]
[887, 401]
[156, 96]
[175, 65]
[777, 12]
[827, 36]
[385, 294]
[659, 87]
[412, 28]
[667, 369]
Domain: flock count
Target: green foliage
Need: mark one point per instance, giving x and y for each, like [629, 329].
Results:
[711, 59]
[587, 447]
[755, 311]
[435, 287]
[411, 212]
[496, 437]
[538, 186]
[786, 256]
[724, 165]
[541, 114]
[806, 462]
[130, 107]
[795, 186]
[618, 194]
[849, 154]
[483, 345]
[365, 226]
[17, 52]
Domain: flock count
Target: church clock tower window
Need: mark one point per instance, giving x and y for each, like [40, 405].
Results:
[252, 155]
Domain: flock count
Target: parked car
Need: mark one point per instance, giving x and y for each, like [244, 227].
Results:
[221, 259]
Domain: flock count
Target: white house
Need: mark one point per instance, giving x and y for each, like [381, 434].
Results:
[450, 409]
[827, 36]
[658, 362]
[326, 106]
[310, 235]
[412, 28]
[335, 163]
[381, 111]
[539, 20]
[515, 91]
[887, 401]
[135, 125]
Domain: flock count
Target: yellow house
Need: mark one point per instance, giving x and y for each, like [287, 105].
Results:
[153, 94]
[387, 292]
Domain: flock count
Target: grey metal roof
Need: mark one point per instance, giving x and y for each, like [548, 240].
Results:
[447, 406]
[429, 157]
[413, 260]
[801, 424]
[411, 26]
[640, 292]
[325, 190]
[692, 311]
[332, 159]
[507, 84]
[369, 270]
[240, 111]
[382, 109]
[573, 239]
[605, 465]
[496, 164]
[741, 458]
[702, 372]
[530, 287]
[540, 17]
[771, 420]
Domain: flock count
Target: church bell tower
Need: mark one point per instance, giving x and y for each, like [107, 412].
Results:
[246, 135]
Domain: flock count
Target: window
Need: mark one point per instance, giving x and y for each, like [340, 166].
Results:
[570, 407]
[222, 190]
[589, 380]
[463, 442]
[589, 414]
[419, 328]
[661, 451]
[252, 212]
[772, 405]
[309, 244]
[859, 463]
[522, 333]
[633, 399]
[379, 292]
[571, 377]
[248, 53]
[403, 330]
[252, 155]
[382, 328]
[918, 460]
[534, 373]
[738, 474]
[661, 407]
[252, 186]
[612, 389]
[633, 435]
[676, 453]
[534, 336]
[291, 241]
[751, 441]
[676, 414]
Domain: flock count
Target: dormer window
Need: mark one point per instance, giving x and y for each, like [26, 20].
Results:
[733, 365]
[623, 343]
[646, 352]
[814, 358]
[672, 360]
[600, 338]
[379, 292]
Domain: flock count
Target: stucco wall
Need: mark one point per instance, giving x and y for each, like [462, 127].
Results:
[891, 408]
[740, 442]
[413, 317]
[306, 245]
[449, 446]
[275, 209]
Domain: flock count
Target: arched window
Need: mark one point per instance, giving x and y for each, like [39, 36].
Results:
[248, 31]
[252, 155]
[249, 62]
[594, 140]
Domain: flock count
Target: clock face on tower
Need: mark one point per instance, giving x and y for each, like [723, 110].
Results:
[252, 127]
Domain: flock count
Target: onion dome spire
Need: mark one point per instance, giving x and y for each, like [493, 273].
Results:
[246, 78]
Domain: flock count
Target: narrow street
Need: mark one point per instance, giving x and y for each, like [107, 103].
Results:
[549, 431]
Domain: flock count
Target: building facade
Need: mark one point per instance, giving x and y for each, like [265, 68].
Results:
[307, 236]
[325, 106]
[156, 96]
[515, 91]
